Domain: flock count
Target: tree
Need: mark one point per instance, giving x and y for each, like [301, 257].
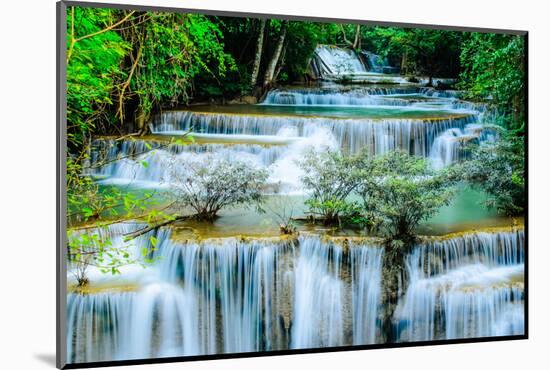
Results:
[356, 44]
[499, 169]
[208, 185]
[94, 54]
[420, 51]
[493, 70]
[270, 69]
[124, 65]
[401, 191]
[258, 55]
[330, 178]
[170, 50]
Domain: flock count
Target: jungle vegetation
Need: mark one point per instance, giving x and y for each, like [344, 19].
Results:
[125, 66]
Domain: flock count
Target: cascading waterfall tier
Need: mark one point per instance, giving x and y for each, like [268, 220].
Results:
[358, 96]
[378, 136]
[239, 295]
[465, 287]
[276, 142]
[454, 144]
[123, 160]
[332, 63]
[338, 61]
[230, 295]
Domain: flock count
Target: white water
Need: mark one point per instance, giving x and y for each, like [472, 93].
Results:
[229, 296]
[451, 145]
[426, 139]
[466, 287]
[366, 269]
[352, 135]
[318, 291]
[378, 64]
[334, 63]
[170, 164]
[341, 98]
[339, 61]
[232, 296]
[276, 143]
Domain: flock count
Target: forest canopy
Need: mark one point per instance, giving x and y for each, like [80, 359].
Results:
[122, 65]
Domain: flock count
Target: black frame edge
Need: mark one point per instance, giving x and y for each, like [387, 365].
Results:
[526, 167]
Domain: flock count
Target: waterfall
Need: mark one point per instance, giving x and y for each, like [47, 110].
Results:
[452, 145]
[229, 295]
[366, 275]
[338, 61]
[318, 291]
[285, 140]
[378, 64]
[237, 282]
[124, 164]
[123, 160]
[415, 136]
[449, 147]
[205, 299]
[464, 287]
[114, 234]
[320, 97]
[158, 321]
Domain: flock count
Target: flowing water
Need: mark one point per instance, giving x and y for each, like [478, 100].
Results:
[275, 138]
[465, 287]
[230, 295]
[211, 291]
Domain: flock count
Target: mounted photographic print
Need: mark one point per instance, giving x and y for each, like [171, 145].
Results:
[241, 185]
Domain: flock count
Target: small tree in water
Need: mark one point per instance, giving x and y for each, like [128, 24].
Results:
[499, 169]
[208, 185]
[331, 178]
[401, 192]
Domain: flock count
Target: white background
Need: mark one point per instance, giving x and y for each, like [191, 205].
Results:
[27, 195]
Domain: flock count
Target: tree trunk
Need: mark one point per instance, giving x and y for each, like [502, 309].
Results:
[141, 121]
[270, 71]
[404, 63]
[258, 56]
[280, 65]
[357, 40]
[392, 271]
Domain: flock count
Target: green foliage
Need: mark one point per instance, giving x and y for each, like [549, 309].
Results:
[175, 49]
[401, 192]
[121, 66]
[494, 69]
[302, 38]
[91, 209]
[419, 51]
[211, 184]
[95, 247]
[92, 70]
[397, 190]
[499, 169]
[330, 178]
